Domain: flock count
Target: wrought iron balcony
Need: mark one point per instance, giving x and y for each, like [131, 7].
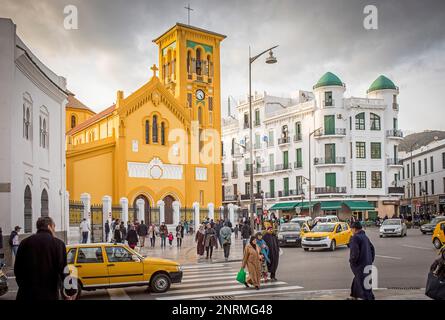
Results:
[283, 166]
[330, 190]
[394, 133]
[334, 132]
[298, 137]
[225, 176]
[270, 195]
[328, 161]
[329, 103]
[284, 140]
[394, 162]
[396, 190]
[234, 175]
[298, 164]
[230, 197]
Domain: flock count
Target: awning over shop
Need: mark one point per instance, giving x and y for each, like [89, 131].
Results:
[359, 205]
[284, 205]
[305, 204]
[330, 205]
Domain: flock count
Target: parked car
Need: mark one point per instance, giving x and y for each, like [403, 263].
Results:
[393, 227]
[108, 265]
[327, 236]
[289, 234]
[438, 237]
[326, 219]
[302, 220]
[429, 227]
[3, 281]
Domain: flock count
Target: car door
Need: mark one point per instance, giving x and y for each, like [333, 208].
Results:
[338, 234]
[121, 267]
[346, 233]
[90, 267]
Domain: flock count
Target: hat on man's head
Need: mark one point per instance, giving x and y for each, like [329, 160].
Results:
[356, 225]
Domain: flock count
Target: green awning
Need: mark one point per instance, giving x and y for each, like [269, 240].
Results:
[284, 206]
[305, 204]
[330, 205]
[359, 205]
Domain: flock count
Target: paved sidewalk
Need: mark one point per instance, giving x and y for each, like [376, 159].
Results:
[187, 254]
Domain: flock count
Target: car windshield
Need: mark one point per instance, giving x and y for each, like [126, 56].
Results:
[391, 222]
[437, 220]
[290, 227]
[323, 228]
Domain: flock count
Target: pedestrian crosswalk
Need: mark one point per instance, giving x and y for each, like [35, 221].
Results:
[208, 281]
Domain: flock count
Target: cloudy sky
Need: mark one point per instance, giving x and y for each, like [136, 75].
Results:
[113, 49]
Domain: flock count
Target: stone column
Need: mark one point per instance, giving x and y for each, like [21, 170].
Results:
[196, 218]
[211, 208]
[124, 206]
[231, 213]
[106, 214]
[86, 200]
[176, 212]
[67, 217]
[141, 209]
[161, 206]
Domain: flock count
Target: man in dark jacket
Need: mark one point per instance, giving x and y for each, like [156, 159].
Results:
[40, 264]
[142, 233]
[107, 230]
[274, 252]
[362, 256]
[245, 233]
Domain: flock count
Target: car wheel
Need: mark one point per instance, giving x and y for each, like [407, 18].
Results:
[160, 283]
[423, 232]
[306, 249]
[72, 294]
[437, 244]
[381, 236]
[333, 245]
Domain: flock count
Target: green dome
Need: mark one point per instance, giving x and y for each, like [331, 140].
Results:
[328, 79]
[382, 83]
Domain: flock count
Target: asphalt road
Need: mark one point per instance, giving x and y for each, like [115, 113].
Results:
[401, 263]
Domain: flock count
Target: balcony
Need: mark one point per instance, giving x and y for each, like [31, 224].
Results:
[257, 146]
[397, 134]
[298, 165]
[246, 125]
[247, 196]
[396, 190]
[256, 123]
[262, 170]
[282, 141]
[329, 161]
[225, 176]
[330, 190]
[329, 103]
[283, 193]
[269, 195]
[394, 162]
[230, 197]
[296, 192]
[234, 175]
[281, 167]
[298, 138]
[246, 173]
[337, 132]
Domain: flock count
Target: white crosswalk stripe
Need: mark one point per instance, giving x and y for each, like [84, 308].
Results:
[219, 279]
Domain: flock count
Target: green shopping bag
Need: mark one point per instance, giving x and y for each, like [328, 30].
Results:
[241, 276]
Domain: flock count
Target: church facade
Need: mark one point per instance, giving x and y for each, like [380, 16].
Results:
[162, 142]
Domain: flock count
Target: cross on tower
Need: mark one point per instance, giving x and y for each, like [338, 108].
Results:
[188, 13]
[154, 69]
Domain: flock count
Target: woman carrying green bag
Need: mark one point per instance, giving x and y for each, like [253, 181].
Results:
[252, 261]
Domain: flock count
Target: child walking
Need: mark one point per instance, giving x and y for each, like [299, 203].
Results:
[170, 239]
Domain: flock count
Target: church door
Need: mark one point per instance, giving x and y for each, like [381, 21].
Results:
[168, 200]
[147, 217]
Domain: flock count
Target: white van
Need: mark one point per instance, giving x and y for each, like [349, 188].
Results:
[324, 219]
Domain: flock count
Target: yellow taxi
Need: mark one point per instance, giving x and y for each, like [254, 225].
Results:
[327, 236]
[438, 237]
[108, 265]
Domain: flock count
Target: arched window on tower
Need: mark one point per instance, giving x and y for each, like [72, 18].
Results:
[208, 66]
[147, 132]
[26, 123]
[375, 121]
[163, 133]
[73, 121]
[189, 62]
[200, 116]
[198, 61]
[44, 134]
[360, 121]
[155, 129]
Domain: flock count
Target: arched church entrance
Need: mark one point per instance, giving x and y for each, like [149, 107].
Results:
[168, 209]
[147, 209]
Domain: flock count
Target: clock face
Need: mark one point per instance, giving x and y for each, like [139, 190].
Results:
[200, 95]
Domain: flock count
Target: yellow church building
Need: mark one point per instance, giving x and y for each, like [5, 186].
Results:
[155, 144]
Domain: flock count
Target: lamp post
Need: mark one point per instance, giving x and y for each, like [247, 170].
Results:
[310, 167]
[269, 60]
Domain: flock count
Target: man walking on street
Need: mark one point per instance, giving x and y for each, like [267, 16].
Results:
[274, 252]
[107, 230]
[226, 239]
[163, 232]
[245, 233]
[362, 256]
[40, 264]
[142, 233]
[14, 242]
[84, 230]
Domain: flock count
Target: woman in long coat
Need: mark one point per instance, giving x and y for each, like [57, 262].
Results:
[252, 261]
[210, 240]
[199, 238]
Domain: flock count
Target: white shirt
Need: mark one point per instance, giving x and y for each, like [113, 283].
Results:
[84, 226]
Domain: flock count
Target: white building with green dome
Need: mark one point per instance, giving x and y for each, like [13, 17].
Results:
[352, 160]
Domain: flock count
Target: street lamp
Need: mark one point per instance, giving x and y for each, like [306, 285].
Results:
[269, 60]
[310, 167]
